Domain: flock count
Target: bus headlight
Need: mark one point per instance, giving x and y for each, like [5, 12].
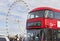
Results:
[38, 23]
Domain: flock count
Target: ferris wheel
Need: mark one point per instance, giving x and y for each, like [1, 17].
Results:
[14, 15]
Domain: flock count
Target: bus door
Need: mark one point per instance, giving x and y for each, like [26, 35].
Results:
[50, 35]
[46, 35]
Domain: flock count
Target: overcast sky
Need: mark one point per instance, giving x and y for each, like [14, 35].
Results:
[19, 11]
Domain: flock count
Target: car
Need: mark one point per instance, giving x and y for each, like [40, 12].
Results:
[4, 38]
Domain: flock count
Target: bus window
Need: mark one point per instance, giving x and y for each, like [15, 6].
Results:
[49, 14]
[32, 16]
[58, 35]
[36, 14]
[34, 24]
[28, 17]
[57, 15]
[35, 35]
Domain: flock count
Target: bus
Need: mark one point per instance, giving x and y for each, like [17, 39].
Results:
[43, 24]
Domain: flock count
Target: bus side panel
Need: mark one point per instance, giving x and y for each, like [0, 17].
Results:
[51, 23]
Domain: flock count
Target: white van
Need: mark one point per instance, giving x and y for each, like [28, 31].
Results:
[3, 38]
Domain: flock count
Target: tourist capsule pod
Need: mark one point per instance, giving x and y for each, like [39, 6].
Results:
[43, 24]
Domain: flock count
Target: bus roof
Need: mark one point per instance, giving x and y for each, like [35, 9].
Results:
[45, 8]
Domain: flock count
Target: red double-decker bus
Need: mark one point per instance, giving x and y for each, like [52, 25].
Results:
[43, 24]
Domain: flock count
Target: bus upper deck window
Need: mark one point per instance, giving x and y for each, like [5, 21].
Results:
[32, 16]
[37, 16]
[57, 15]
[49, 14]
[28, 16]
